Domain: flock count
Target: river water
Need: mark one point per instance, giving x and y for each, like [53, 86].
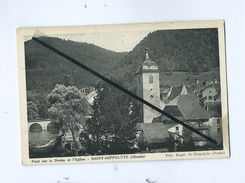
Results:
[41, 138]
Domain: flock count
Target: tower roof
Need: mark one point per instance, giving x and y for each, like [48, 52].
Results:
[148, 65]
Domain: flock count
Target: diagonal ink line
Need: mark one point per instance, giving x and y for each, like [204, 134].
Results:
[122, 89]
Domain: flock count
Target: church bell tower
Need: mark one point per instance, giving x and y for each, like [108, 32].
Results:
[148, 88]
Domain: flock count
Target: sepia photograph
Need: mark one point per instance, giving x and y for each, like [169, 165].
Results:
[132, 92]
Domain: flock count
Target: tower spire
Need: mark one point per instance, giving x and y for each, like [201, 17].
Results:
[146, 54]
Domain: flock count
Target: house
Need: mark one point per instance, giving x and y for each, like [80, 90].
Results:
[215, 122]
[175, 129]
[209, 93]
[187, 109]
[152, 135]
[176, 91]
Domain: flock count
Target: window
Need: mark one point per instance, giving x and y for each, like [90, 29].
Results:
[218, 121]
[150, 79]
[210, 97]
[151, 96]
[176, 128]
[218, 130]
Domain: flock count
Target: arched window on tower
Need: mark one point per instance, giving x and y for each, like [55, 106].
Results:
[150, 79]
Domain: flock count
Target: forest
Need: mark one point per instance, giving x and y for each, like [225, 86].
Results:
[190, 50]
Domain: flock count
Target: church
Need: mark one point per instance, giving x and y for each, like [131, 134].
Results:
[148, 88]
[151, 135]
[155, 129]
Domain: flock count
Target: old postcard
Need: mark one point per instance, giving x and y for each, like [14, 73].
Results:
[132, 92]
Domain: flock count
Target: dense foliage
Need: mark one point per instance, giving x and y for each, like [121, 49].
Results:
[192, 50]
[43, 65]
[39, 100]
[69, 108]
[32, 110]
[111, 128]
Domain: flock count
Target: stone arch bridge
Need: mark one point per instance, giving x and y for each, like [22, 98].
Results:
[42, 125]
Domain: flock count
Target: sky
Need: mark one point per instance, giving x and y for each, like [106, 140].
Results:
[115, 41]
[119, 41]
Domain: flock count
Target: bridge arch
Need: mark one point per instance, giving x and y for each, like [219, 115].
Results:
[35, 127]
[53, 126]
[42, 123]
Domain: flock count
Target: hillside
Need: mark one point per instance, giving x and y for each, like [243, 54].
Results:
[44, 68]
[173, 50]
[193, 51]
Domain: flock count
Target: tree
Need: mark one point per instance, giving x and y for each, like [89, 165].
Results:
[69, 107]
[32, 110]
[111, 128]
[39, 99]
[43, 111]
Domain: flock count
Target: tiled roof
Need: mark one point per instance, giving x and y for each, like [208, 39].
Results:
[191, 109]
[186, 108]
[170, 125]
[174, 111]
[147, 65]
[166, 90]
[153, 132]
[156, 119]
[217, 86]
[176, 90]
